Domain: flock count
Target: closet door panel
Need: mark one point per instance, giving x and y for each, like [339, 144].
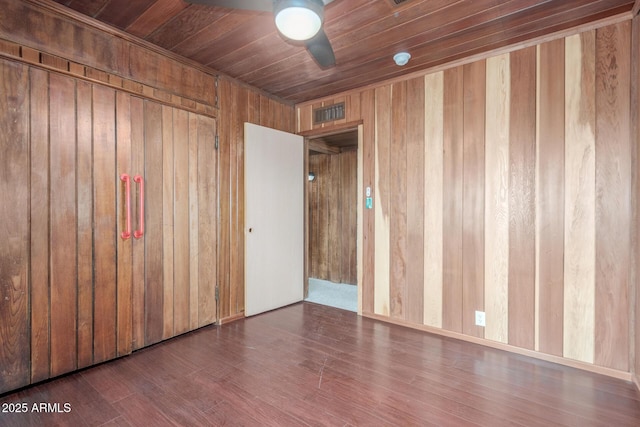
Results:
[63, 220]
[105, 228]
[138, 250]
[124, 164]
[39, 266]
[85, 223]
[167, 222]
[181, 255]
[153, 239]
[14, 226]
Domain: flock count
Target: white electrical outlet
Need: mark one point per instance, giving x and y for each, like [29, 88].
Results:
[480, 320]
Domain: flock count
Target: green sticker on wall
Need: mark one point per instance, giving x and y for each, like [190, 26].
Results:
[369, 203]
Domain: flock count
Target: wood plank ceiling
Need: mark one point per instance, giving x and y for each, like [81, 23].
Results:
[365, 34]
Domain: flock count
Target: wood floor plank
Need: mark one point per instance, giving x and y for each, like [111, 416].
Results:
[308, 364]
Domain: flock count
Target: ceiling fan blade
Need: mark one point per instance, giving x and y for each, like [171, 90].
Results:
[260, 5]
[320, 48]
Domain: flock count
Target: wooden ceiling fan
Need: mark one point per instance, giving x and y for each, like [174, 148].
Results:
[297, 20]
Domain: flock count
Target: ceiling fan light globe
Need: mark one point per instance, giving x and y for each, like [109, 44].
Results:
[298, 20]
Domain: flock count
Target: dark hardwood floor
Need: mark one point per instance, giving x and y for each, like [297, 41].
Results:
[313, 365]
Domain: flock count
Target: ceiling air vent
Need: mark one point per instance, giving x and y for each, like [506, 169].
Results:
[329, 113]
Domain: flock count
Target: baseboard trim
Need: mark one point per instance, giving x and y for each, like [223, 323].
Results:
[232, 318]
[626, 376]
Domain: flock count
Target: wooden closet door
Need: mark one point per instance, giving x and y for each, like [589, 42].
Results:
[14, 226]
[180, 168]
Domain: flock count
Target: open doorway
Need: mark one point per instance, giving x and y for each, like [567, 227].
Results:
[332, 212]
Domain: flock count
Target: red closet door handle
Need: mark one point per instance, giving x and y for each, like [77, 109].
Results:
[140, 231]
[127, 201]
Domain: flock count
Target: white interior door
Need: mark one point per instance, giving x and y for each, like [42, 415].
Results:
[273, 218]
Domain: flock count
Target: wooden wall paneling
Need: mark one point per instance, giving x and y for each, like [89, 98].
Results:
[207, 209]
[236, 164]
[252, 115]
[613, 196]
[473, 196]
[433, 199]
[550, 198]
[353, 108]
[181, 235]
[166, 74]
[635, 155]
[39, 216]
[452, 209]
[194, 221]
[322, 224]
[305, 118]
[381, 200]
[415, 200]
[369, 215]
[138, 125]
[349, 188]
[224, 195]
[522, 155]
[125, 267]
[84, 99]
[153, 239]
[104, 174]
[334, 219]
[168, 329]
[398, 201]
[312, 195]
[266, 112]
[579, 246]
[496, 221]
[63, 275]
[14, 227]
[358, 223]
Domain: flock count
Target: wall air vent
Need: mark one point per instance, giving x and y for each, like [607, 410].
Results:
[328, 113]
[397, 2]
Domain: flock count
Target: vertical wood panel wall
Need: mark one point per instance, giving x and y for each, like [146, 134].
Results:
[332, 217]
[525, 162]
[635, 197]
